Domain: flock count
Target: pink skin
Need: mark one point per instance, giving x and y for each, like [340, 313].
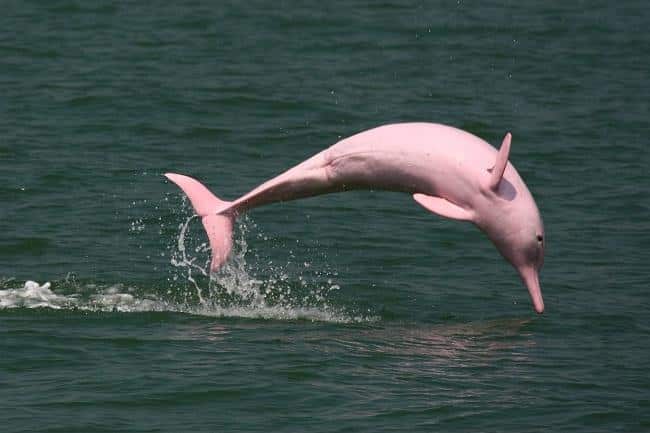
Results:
[448, 171]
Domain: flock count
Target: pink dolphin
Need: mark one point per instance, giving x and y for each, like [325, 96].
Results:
[449, 172]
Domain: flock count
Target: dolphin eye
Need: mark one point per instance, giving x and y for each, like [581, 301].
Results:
[540, 238]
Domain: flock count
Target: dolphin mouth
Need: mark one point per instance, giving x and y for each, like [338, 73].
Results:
[531, 280]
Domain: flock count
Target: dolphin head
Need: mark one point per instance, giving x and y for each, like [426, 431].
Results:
[512, 221]
[520, 239]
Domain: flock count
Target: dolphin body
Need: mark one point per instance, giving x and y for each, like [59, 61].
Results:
[449, 172]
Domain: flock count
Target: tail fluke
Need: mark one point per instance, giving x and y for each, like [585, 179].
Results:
[218, 223]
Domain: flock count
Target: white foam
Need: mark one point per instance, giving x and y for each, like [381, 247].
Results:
[34, 295]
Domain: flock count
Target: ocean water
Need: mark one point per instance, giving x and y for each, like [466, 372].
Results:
[355, 312]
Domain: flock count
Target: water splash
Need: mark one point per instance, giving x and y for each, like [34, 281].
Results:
[247, 286]
[181, 260]
[235, 286]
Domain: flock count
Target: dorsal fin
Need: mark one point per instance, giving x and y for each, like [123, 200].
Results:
[500, 163]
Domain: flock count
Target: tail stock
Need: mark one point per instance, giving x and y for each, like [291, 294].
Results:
[215, 216]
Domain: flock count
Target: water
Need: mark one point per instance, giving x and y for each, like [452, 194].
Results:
[352, 312]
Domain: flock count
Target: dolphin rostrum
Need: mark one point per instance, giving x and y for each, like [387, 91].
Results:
[449, 172]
